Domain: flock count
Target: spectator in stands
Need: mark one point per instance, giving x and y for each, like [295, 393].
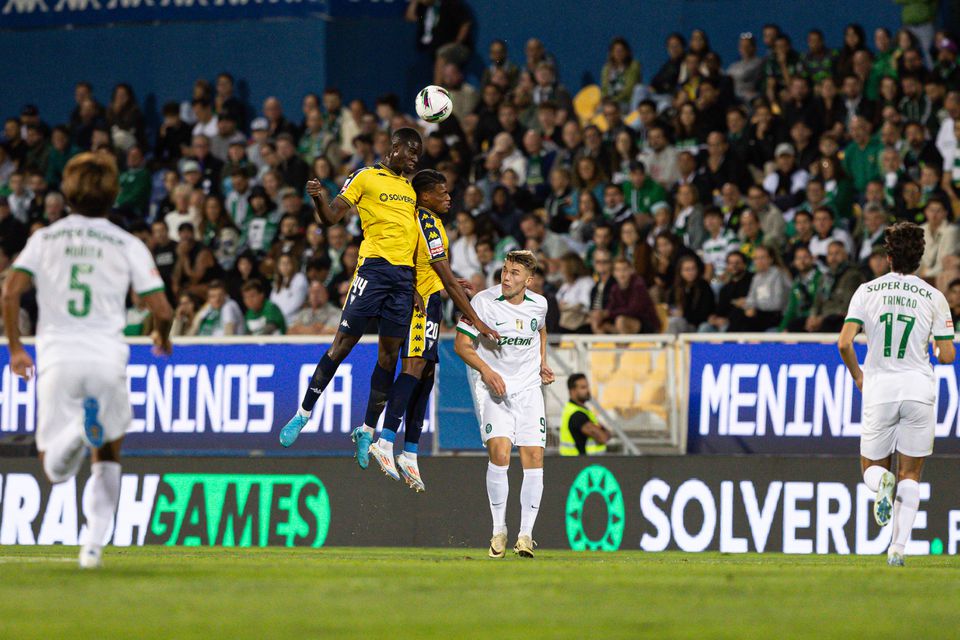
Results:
[125, 119]
[164, 253]
[630, 308]
[581, 434]
[771, 219]
[806, 283]
[620, 74]
[688, 217]
[736, 279]
[290, 287]
[135, 185]
[718, 242]
[666, 79]
[660, 157]
[824, 233]
[220, 316]
[13, 232]
[443, 30]
[181, 212]
[499, 63]
[263, 317]
[643, 195]
[872, 231]
[318, 316]
[19, 197]
[277, 123]
[786, 184]
[691, 300]
[260, 226]
[769, 290]
[54, 207]
[837, 286]
[205, 120]
[940, 239]
[217, 232]
[748, 70]
[196, 264]
[600, 291]
[185, 315]
[953, 298]
[861, 158]
[573, 296]
[227, 134]
[209, 166]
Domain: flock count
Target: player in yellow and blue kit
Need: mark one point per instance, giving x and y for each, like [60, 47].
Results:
[383, 284]
[419, 354]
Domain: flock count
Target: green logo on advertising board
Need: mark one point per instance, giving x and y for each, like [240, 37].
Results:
[241, 510]
[595, 479]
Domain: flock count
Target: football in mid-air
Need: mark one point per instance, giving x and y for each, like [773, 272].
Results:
[434, 104]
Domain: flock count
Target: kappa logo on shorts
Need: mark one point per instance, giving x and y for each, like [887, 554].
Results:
[488, 428]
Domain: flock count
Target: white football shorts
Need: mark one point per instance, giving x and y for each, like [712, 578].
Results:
[908, 427]
[520, 417]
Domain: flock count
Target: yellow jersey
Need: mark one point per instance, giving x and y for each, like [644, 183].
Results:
[388, 213]
[433, 247]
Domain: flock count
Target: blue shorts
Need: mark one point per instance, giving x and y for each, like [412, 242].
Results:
[424, 329]
[379, 290]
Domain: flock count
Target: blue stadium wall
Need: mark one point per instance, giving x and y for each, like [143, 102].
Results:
[353, 44]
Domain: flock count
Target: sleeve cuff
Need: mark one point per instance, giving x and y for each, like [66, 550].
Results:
[855, 321]
[149, 291]
[466, 332]
[22, 270]
[342, 197]
[949, 337]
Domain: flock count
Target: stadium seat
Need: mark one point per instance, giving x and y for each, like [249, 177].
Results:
[586, 103]
[653, 393]
[618, 395]
[635, 363]
[603, 365]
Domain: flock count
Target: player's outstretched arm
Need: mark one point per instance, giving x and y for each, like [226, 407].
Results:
[546, 373]
[14, 287]
[464, 347]
[459, 297]
[847, 354]
[945, 351]
[162, 315]
[326, 214]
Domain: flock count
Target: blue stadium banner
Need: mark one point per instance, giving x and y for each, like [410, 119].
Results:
[225, 399]
[789, 398]
[31, 14]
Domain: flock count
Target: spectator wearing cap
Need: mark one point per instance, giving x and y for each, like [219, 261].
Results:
[748, 70]
[292, 168]
[135, 185]
[660, 157]
[861, 158]
[946, 67]
[206, 120]
[643, 195]
[259, 135]
[787, 183]
[227, 134]
[940, 239]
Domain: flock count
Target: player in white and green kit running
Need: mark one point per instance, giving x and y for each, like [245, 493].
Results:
[83, 266]
[899, 313]
[507, 392]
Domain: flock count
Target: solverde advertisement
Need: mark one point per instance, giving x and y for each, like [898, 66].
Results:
[733, 504]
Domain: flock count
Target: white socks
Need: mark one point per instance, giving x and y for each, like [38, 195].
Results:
[872, 475]
[63, 457]
[498, 488]
[904, 511]
[369, 430]
[530, 493]
[105, 490]
[303, 413]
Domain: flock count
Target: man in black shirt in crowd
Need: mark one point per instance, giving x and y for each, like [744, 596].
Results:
[729, 317]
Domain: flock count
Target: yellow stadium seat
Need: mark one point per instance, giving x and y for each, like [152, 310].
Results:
[586, 103]
[663, 313]
[634, 364]
[603, 364]
[617, 394]
[653, 394]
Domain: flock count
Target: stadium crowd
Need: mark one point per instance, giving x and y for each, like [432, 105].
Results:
[708, 195]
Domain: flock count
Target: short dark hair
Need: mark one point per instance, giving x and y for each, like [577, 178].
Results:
[427, 180]
[905, 244]
[574, 379]
[253, 284]
[954, 283]
[90, 184]
[216, 284]
[406, 134]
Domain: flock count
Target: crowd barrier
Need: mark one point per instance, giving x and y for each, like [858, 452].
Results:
[733, 504]
[704, 394]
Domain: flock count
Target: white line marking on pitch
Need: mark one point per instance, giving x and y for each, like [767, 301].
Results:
[27, 559]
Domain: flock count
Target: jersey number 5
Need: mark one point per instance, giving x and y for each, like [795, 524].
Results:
[79, 308]
[887, 320]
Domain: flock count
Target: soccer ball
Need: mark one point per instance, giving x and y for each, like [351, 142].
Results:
[434, 104]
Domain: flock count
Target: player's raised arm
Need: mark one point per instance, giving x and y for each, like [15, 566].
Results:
[327, 214]
[459, 297]
[464, 347]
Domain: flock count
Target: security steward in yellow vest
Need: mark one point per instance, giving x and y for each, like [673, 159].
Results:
[581, 434]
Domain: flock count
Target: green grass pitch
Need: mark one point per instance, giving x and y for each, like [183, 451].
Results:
[210, 593]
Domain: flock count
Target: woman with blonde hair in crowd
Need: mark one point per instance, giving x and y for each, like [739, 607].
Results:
[290, 287]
